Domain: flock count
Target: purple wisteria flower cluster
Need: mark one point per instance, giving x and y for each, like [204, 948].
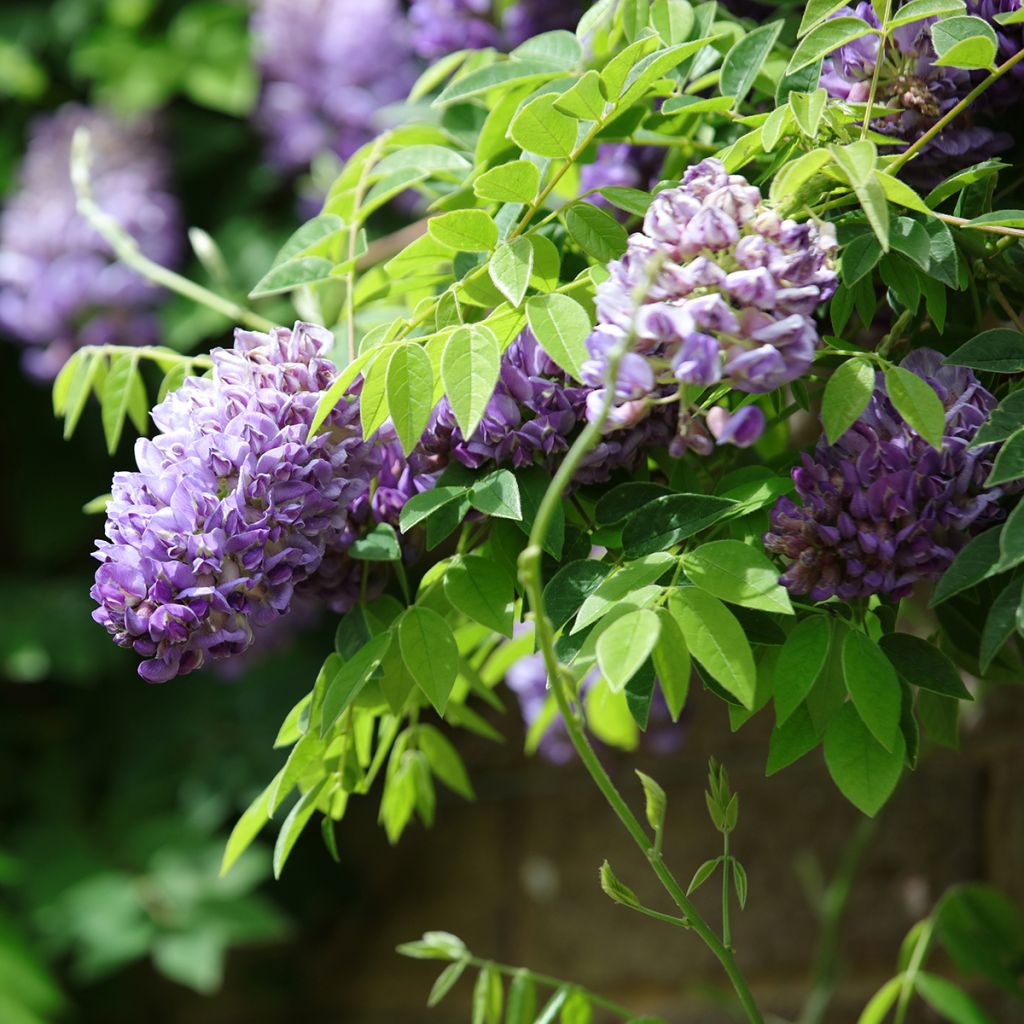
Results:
[60, 286]
[441, 27]
[881, 509]
[910, 79]
[328, 67]
[726, 289]
[231, 507]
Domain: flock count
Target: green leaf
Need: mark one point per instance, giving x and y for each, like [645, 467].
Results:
[470, 365]
[902, 194]
[655, 801]
[492, 76]
[510, 269]
[497, 494]
[847, 394]
[916, 401]
[542, 129]
[353, 675]
[940, 717]
[515, 182]
[533, 485]
[738, 573]
[1002, 218]
[962, 179]
[826, 37]
[1000, 623]
[664, 522]
[445, 981]
[1009, 463]
[744, 60]
[815, 12]
[297, 820]
[865, 772]
[624, 499]
[577, 1009]
[380, 544]
[964, 42]
[977, 561]
[625, 645]
[702, 874]
[872, 683]
[584, 100]
[566, 591]
[488, 997]
[999, 350]
[672, 20]
[435, 946]
[671, 658]
[800, 662]
[859, 258]
[522, 999]
[807, 108]
[429, 652]
[716, 640]
[425, 504]
[877, 1010]
[561, 326]
[597, 233]
[559, 48]
[791, 740]
[293, 274]
[117, 390]
[949, 1001]
[918, 10]
[910, 238]
[248, 826]
[923, 665]
[481, 590]
[632, 200]
[1006, 419]
[623, 583]
[444, 760]
[409, 385]
[73, 390]
[872, 199]
[616, 890]
[464, 230]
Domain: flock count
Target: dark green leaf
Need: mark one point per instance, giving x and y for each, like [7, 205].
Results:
[1009, 463]
[923, 665]
[801, 660]
[999, 350]
[743, 62]
[664, 522]
[978, 560]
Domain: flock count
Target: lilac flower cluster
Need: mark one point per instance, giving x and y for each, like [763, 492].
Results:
[528, 680]
[441, 27]
[60, 286]
[881, 509]
[733, 292]
[910, 79]
[328, 67]
[535, 410]
[230, 508]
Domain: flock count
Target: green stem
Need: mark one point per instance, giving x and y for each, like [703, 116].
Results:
[876, 73]
[911, 151]
[549, 982]
[531, 574]
[126, 249]
[726, 875]
[924, 941]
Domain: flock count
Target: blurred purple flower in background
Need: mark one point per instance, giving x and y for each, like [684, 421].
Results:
[60, 286]
[328, 67]
[909, 78]
[231, 507]
[620, 165]
[881, 509]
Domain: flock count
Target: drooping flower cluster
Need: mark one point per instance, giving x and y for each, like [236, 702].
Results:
[535, 410]
[910, 79]
[231, 507]
[59, 284]
[881, 509]
[441, 27]
[328, 67]
[726, 290]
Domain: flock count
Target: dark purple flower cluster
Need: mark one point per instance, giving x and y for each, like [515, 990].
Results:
[910, 79]
[60, 286]
[528, 680]
[733, 292]
[881, 509]
[231, 507]
[441, 27]
[535, 410]
[328, 67]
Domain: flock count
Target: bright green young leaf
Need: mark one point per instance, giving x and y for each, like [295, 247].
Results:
[445, 982]
[510, 269]
[916, 401]
[964, 42]
[82, 374]
[464, 230]
[559, 48]
[497, 495]
[791, 740]
[800, 662]
[493, 76]
[717, 640]
[807, 108]
[825, 38]
[671, 659]
[672, 20]
[625, 645]
[522, 999]
[444, 760]
[773, 129]
[410, 388]
[481, 590]
[738, 573]
[248, 826]
[117, 389]
[297, 820]
[561, 326]
[488, 997]
[879, 1005]
[597, 233]
[950, 1001]
[373, 399]
[470, 366]
[865, 772]
[846, 396]
[584, 100]
[918, 10]
[353, 675]
[872, 683]
[429, 652]
[514, 182]
[743, 62]
[422, 505]
[542, 129]
[815, 12]
[304, 270]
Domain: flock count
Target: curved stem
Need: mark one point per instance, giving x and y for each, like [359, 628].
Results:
[127, 250]
[876, 72]
[531, 573]
[911, 151]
